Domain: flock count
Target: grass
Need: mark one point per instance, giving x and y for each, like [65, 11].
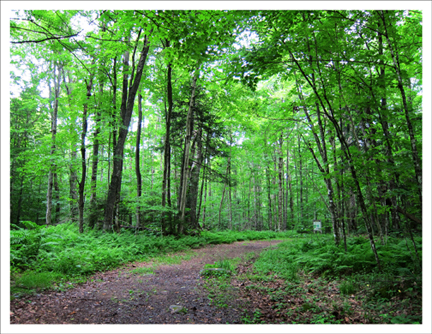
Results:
[348, 287]
[143, 271]
[35, 280]
[218, 283]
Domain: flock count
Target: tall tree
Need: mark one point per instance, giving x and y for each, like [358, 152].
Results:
[126, 112]
[52, 172]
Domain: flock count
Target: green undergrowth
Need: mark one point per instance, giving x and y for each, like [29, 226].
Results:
[319, 255]
[392, 295]
[41, 256]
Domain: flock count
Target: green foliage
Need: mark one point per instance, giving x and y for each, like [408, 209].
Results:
[28, 242]
[320, 256]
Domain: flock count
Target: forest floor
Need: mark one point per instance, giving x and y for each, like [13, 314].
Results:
[174, 291]
[140, 293]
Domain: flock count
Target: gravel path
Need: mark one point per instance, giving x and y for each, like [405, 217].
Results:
[122, 297]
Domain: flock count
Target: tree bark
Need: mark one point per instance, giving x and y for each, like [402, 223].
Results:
[223, 194]
[57, 198]
[167, 150]
[137, 163]
[289, 179]
[204, 204]
[93, 180]
[192, 195]
[81, 183]
[280, 178]
[126, 114]
[201, 194]
[301, 178]
[185, 168]
[269, 210]
[56, 80]
[73, 178]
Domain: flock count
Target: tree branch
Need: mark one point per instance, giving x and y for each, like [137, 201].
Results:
[45, 39]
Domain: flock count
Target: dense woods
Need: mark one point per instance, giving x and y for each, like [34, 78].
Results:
[254, 120]
[176, 122]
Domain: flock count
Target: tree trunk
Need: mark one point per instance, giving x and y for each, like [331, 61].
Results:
[93, 189]
[192, 196]
[57, 198]
[83, 160]
[301, 178]
[73, 178]
[167, 156]
[204, 205]
[280, 178]
[291, 201]
[201, 195]
[185, 168]
[269, 210]
[56, 80]
[223, 194]
[126, 114]
[137, 163]
[19, 203]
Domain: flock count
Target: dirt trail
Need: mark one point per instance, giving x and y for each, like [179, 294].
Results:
[121, 297]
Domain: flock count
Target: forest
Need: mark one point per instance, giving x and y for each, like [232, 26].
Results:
[138, 133]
